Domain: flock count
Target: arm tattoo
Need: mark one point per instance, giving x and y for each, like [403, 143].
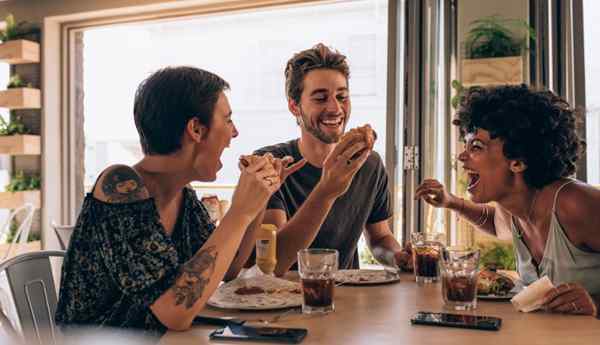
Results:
[194, 276]
[123, 184]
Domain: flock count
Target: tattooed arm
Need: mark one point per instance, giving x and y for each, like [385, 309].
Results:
[200, 276]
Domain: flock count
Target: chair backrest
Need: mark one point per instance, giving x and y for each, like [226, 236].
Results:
[22, 234]
[34, 294]
[63, 233]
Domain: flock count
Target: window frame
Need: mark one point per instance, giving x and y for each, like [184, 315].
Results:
[62, 191]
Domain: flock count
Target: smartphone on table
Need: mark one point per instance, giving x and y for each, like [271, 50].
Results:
[267, 334]
[487, 323]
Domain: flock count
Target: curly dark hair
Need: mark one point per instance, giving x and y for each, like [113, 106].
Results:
[319, 56]
[536, 127]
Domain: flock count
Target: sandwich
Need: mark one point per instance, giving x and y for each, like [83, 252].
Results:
[493, 283]
[365, 133]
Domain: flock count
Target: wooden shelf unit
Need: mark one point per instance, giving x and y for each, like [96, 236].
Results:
[21, 98]
[12, 200]
[21, 144]
[492, 71]
[19, 52]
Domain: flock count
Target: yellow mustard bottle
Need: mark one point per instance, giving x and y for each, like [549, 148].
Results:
[266, 250]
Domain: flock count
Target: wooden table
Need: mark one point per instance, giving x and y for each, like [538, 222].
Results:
[380, 314]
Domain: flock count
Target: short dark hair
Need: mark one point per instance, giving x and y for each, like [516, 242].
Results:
[537, 127]
[168, 99]
[319, 56]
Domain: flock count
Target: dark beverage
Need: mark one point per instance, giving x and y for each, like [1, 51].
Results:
[459, 289]
[426, 261]
[318, 293]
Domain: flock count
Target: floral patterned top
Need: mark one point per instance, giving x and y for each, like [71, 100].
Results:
[120, 261]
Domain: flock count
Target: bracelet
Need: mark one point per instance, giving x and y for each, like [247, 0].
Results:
[484, 216]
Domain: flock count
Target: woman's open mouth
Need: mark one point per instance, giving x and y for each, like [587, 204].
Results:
[472, 180]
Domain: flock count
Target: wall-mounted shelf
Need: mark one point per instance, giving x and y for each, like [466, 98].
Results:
[20, 98]
[12, 200]
[21, 144]
[20, 52]
[492, 71]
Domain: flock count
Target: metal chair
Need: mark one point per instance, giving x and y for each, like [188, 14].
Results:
[22, 234]
[63, 233]
[34, 294]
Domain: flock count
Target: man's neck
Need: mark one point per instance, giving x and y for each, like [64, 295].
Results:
[314, 150]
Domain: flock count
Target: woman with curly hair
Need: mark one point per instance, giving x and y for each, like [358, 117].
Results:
[520, 151]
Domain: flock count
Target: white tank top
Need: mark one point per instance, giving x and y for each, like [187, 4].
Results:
[562, 262]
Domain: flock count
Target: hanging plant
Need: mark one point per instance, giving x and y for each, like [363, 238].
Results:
[491, 37]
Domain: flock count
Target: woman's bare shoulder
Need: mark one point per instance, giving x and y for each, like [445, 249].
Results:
[578, 210]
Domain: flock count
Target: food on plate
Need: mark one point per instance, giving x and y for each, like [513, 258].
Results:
[493, 283]
[249, 290]
[256, 290]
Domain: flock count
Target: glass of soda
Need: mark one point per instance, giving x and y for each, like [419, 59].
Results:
[459, 278]
[317, 269]
[426, 250]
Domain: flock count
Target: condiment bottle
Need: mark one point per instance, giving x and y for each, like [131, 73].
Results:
[266, 252]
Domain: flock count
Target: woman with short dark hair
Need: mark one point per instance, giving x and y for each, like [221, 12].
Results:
[144, 253]
[521, 149]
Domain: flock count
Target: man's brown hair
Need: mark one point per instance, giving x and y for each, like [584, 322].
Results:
[319, 56]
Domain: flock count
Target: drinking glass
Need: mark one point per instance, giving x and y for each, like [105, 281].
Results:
[459, 278]
[426, 248]
[317, 268]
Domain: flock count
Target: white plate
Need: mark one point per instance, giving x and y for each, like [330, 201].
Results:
[278, 294]
[365, 277]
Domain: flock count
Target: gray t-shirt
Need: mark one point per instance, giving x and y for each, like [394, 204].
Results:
[367, 201]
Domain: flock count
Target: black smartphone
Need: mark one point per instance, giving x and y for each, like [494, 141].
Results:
[267, 334]
[487, 323]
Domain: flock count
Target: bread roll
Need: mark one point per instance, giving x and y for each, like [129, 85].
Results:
[366, 132]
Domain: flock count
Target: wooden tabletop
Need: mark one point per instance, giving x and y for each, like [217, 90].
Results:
[380, 314]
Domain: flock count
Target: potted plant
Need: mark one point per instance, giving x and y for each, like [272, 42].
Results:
[23, 188]
[14, 49]
[493, 53]
[16, 140]
[19, 94]
[13, 127]
[16, 82]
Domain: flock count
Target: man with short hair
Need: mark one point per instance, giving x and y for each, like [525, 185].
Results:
[343, 187]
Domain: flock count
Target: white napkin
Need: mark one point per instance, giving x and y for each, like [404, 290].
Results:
[251, 272]
[532, 297]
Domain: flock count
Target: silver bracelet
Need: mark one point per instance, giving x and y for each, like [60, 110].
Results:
[484, 216]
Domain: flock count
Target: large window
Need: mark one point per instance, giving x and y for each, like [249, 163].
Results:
[591, 39]
[246, 50]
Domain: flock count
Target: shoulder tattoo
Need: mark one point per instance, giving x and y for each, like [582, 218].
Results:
[123, 184]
